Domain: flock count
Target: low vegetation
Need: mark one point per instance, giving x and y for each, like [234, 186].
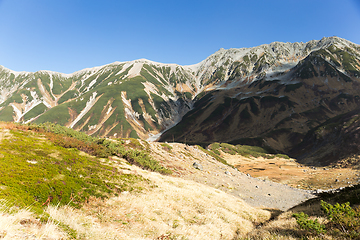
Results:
[166, 147]
[38, 168]
[60, 174]
[329, 216]
[134, 152]
[214, 155]
[243, 150]
[51, 190]
[69, 194]
[343, 221]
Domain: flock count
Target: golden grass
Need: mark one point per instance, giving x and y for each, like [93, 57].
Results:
[284, 227]
[178, 208]
[21, 224]
[174, 209]
[168, 208]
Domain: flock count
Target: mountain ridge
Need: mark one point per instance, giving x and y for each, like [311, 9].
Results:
[323, 42]
[277, 109]
[148, 97]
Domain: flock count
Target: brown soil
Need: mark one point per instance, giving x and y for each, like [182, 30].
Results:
[288, 171]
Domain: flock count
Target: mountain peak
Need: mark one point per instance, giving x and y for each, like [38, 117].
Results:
[140, 98]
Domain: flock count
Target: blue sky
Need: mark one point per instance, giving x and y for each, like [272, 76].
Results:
[69, 35]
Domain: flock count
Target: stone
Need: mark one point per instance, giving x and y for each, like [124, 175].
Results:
[319, 191]
[198, 166]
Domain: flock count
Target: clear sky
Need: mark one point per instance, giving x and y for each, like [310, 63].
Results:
[69, 35]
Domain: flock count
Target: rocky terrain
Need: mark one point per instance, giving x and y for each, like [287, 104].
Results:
[270, 95]
[256, 192]
[278, 108]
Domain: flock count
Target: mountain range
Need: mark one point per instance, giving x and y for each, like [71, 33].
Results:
[270, 95]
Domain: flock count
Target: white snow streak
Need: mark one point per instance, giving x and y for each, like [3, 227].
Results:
[89, 104]
[129, 112]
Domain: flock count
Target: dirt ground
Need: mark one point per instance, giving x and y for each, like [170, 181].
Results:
[288, 171]
[255, 191]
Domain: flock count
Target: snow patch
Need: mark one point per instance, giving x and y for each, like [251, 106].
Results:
[92, 127]
[135, 70]
[129, 112]
[91, 84]
[109, 110]
[89, 104]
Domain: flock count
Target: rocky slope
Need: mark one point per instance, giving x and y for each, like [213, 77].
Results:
[184, 161]
[334, 142]
[286, 94]
[279, 90]
[137, 99]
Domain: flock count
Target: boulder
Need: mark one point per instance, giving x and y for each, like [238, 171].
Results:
[197, 165]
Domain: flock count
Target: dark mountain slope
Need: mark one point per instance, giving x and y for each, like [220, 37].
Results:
[337, 140]
[277, 111]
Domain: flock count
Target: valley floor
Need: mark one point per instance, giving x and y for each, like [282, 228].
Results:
[257, 192]
[288, 171]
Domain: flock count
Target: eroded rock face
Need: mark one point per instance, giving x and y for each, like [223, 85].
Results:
[276, 109]
[231, 95]
[334, 142]
[130, 99]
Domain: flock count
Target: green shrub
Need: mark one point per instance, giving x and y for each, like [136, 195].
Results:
[69, 138]
[218, 158]
[344, 221]
[282, 156]
[243, 150]
[305, 223]
[214, 146]
[145, 161]
[343, 218]
[217, 152]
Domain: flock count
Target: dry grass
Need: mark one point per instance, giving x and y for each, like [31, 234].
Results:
[176, 208]
[284, 227]
[22, 224]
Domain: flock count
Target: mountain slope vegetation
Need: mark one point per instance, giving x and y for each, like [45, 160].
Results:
[270, 95]
[49, 189]
[278, 106]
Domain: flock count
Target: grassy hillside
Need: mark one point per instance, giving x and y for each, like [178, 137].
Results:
[57, 183]
[44, 164]
[50, 189]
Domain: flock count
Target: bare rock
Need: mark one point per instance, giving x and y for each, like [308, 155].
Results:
[198, 166]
